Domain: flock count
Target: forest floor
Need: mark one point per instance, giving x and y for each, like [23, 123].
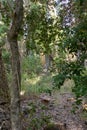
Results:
[38, 110]
[60, 108]
[67, 112]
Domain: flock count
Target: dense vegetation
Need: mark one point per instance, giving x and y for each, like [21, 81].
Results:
[42, 44]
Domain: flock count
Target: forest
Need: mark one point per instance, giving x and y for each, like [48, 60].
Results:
[43, 65]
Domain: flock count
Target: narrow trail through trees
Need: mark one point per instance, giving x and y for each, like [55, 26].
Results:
[59, 107]
[35, 108]
[64, 112]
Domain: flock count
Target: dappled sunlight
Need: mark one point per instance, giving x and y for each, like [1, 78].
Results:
[85, 107]
[37, 84]
[43, 64]
[22, 92]
[33, 81]
[1, 23]
[71, 57]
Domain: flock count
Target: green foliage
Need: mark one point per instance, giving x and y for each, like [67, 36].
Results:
[31, 82]
[75, 71]
[6, 56]
[37, 84]
[31, 65]
[6, 59]
[3, 29]
[74, 41]
[59, 80]
[6, 11]
[42, 31]
[34, 18]
[80, 88]
[44, 34]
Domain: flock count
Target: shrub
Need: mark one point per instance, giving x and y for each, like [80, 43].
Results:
[31, 65]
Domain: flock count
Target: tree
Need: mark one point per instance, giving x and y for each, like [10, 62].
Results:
[42, 29]
[17, 18]
[4, 89]
[74, 42]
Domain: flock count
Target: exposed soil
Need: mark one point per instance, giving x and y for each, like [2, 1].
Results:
[65, 112]
[58, 108]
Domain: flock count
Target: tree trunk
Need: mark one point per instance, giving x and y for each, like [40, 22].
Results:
[47, 62]
[4, 90]
[16, 76]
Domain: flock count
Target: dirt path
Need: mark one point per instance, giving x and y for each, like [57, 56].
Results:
[59, 107]
[64, 113]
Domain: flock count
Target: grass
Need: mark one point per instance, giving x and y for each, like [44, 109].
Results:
[43, 83]
[67, 87]
[36, 84]
[33, 82]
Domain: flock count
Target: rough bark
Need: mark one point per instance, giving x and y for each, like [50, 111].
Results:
[48, 61]
[16, 75]
[4, 90]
